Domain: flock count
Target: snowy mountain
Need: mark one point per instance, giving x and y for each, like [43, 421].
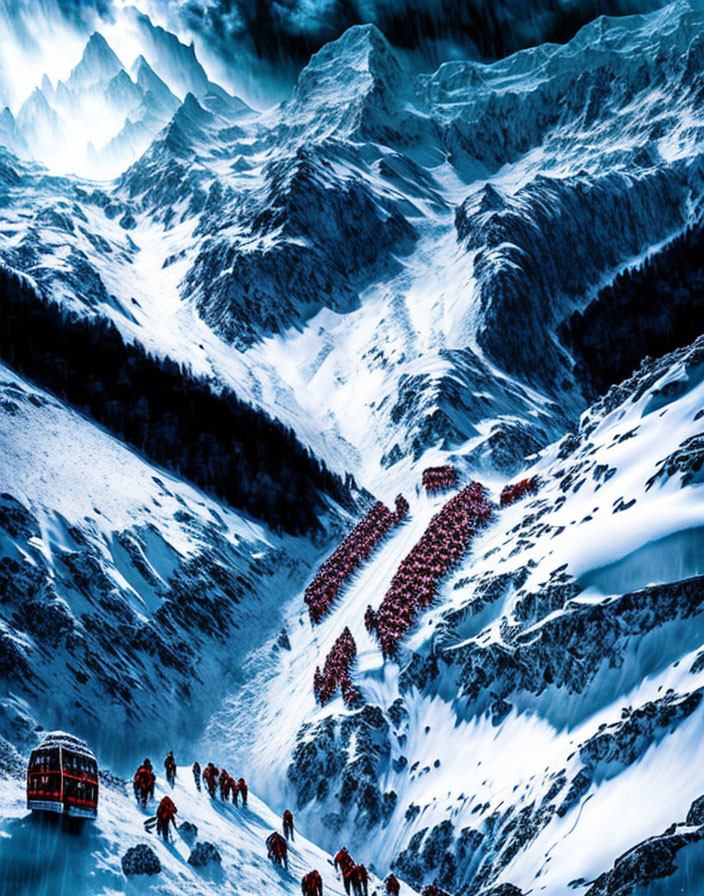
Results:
[226, 333]
[104, 114]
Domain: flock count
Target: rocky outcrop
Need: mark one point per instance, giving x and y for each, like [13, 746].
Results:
[654, 859]
[313, 238]
[140, 859]
[687, 461]
[591, 635]
[188, 831]
[338, 761]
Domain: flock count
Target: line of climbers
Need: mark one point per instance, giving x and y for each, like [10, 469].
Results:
[145, 779]
[519, 490]
[215, 778]
[277, 846]
[414, 586]
[437, 479]
[352, 551]
[336, 671]
[355, 877]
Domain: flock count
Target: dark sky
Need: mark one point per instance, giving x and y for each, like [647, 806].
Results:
[284, 31]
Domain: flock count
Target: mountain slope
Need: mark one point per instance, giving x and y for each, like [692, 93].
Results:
[390, 271]
[238, 834]
[563, 656]
[123, 588]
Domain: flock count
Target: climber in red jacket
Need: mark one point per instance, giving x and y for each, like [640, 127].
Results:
[349, 879]
[211, 774]
[226, 785]
[243, 789]
[312, 884]
[288, 824]
[144, 785]
[360, 880]
[393, 887]
[165, 814]
[433, 890]
[277, 849]
[343, 860]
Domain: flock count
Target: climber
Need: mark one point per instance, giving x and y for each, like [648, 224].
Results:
[343, 860]
[170, 767]
[312, 884]
[349, 879]
[214, 778]
[210, 776]
[143, 785]
[393, 887]
[433, 890]
[152, 777]
[196, 774]
[164, 814]
[234, 790]
[227, 786]
[360, 880]
[243, 789]
[277, 849]
[288, 824]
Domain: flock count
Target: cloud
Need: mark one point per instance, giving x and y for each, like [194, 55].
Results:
[257, 47]
[288, 31]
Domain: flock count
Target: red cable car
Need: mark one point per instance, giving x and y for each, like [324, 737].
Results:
[62, 777]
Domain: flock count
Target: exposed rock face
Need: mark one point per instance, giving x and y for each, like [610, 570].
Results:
[654, 859]
[323, 755]
[687, 461]
[515, 258]
[318, 240]
[530, 663]
[140, 859]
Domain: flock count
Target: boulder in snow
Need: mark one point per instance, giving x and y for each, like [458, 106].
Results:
[140, 859]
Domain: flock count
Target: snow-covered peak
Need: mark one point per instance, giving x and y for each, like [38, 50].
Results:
[148, 81]
[10, 136]
[103, 119]
[38, 123]
[353, 87]
[175, 61]
[361, 60]
[98, 64]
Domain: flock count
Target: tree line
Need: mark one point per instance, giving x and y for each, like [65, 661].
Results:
[650, 309]
[219, 442]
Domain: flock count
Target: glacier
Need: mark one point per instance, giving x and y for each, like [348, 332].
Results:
[494, 265]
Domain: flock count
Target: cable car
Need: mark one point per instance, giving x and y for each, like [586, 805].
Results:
[62, 777]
